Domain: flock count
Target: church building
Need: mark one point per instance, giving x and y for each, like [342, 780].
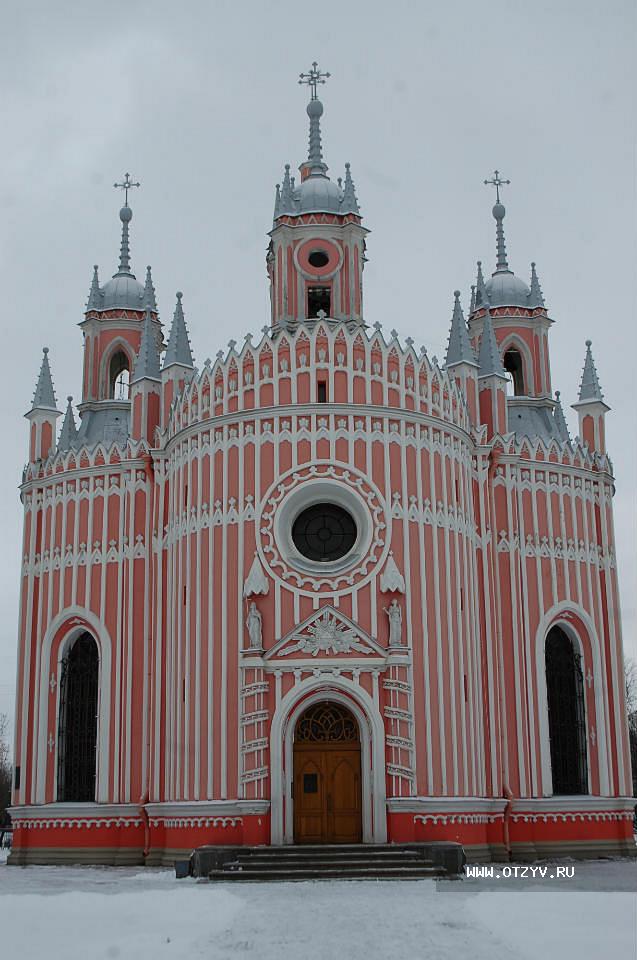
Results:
[324, 588]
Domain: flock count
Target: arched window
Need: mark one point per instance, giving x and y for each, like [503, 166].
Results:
[118, 376]
[567, 717]
[514, 367]
[77, 722]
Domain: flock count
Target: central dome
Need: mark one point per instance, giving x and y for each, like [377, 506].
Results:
[124, 291]
[504, 289]
[318, 194]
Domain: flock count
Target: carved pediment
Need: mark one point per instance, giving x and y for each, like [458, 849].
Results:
[326, 633]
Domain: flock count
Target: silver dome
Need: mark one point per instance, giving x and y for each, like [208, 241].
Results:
[124, 291]
[317, 194]
[504, 289]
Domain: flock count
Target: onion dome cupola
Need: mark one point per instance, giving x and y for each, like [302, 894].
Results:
[317, 251]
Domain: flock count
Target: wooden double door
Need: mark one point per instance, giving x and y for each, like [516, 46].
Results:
[327, 779]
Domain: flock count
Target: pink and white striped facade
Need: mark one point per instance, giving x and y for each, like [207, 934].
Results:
[157, 545]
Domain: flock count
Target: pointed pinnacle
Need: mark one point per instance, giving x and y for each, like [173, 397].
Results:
[489, 360]
[536, 299]
[589, 387]
[560, 419]
[481, 293]
[178, 349]
[44, 396]
[147, 361]
[349, 203]
[68, 433]
[459, 349]
[94, 301]
[150, 303]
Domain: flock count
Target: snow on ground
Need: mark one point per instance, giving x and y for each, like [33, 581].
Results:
[120, 913]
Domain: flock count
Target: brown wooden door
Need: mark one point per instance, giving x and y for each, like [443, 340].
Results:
[327, 776]
[327, 794]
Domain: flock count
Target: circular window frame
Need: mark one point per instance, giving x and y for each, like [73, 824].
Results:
[314, 245]
[308, 494]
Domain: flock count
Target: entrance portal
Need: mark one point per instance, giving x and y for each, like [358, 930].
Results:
[327, 776]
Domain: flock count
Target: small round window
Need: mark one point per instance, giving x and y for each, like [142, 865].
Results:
[318, 258]
[324, 532]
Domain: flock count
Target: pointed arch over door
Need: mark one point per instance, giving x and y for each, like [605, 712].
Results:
[77, 721]
[566, 714]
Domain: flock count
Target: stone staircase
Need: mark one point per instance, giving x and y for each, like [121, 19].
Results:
[328, 862]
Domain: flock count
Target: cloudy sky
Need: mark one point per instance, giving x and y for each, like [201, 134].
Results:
[199, 101]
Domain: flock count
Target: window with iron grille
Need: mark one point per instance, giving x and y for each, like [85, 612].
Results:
[77, 722]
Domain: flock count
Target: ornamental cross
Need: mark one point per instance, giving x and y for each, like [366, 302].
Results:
[313, 78]
[126, 185]
[496, 182]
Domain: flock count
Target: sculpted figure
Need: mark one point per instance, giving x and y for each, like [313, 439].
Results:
[254, 623]
[395, 616]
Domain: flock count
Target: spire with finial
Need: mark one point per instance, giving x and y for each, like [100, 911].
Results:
[499, 212]
[178, 349]
[459, 349]
[277, 201]
[147, 361]
[314, 165]
[589, 387]
[68, 433]
[472, 305]
[350, 202]
[489, 360]
[95, 294]
[44, 396]
[536, 298]
[125, 215]
[481, 299]
[150, 301]
[560, 419]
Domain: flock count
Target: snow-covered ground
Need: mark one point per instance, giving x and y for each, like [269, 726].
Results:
[120, 913]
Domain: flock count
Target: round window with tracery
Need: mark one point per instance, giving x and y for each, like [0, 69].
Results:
[324, 532]
[326, 723]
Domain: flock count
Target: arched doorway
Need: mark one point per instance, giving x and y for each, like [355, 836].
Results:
[77, 721]
[567, 715]
[327, 776]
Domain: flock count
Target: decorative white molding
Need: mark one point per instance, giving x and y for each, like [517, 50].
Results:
[391, 579]
[256, 581]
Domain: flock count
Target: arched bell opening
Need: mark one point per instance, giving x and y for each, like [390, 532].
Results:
[327, 775]
[566, 714]
[119, 376]
[514, 366]
[77, 721]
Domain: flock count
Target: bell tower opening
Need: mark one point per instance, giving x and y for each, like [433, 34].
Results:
[319, 299]
[512, 363]
[119, 377]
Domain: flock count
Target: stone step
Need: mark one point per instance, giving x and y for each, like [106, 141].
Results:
[326, 864]
[339, 872]
[328, 853]
[313, 861]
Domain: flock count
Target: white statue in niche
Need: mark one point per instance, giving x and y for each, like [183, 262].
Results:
[394, 613]
[254, 624]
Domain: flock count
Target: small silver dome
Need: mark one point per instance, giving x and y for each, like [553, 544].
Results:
[317, 194]
[124, 291]
[504, 289]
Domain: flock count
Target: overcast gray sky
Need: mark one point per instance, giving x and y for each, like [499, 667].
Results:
[199, 101]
